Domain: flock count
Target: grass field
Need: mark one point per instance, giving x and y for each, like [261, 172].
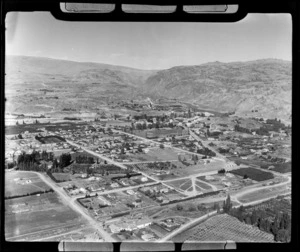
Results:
[264, 193]
[182, 184]
[16, 183]
[181, 170]
[221, 228]
[157, 154]
[34, 216]
[203, 185]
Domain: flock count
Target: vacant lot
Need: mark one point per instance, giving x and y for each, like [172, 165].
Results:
[18, 183]
[253, 173]
[224, 227]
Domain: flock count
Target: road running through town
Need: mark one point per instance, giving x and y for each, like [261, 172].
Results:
[193, 222]
[105, 236]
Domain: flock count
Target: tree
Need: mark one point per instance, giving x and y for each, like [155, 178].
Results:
[248, 220]
[179, 207]
[227, 205]
[64, 160]
[221, 171]
[262, 224]
[285, 221]
[54, 164]
[192, 207]
[282, 235]
[274, 229]
[216, 206]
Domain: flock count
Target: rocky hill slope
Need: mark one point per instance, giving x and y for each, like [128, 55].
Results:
[253, 88]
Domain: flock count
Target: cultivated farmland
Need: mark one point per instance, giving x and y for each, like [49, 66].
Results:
[253, 173]
[224, 227]
[21, 183]
[35, 217]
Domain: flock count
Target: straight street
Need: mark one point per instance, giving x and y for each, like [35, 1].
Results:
[75, 207]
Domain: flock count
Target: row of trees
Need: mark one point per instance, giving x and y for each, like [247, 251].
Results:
[35, 156]
[207, 152]
[191, 207]
[241, 129]
[63, 161]
[84, 159]
[36, 161]
[32, 162]
[156, 125]
[30, 194]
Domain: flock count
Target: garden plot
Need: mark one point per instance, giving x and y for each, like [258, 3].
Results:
[18, 183]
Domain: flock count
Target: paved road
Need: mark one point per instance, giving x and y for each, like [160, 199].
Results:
[194, 177]
[75, 207]
[219, 156]
[149, 162]
[202, 218]
[205, 144]
[158, 143]
[239, 194]
[119, 189]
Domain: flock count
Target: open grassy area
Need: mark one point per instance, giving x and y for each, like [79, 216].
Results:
[264, 193]
[157, 154]
[182, 184]
[203, 185]
[18, 183]
[17, 129]
[38, 217]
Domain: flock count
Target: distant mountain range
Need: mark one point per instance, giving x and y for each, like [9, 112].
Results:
[253, 88]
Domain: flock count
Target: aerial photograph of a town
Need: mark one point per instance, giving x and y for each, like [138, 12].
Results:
[156, 132]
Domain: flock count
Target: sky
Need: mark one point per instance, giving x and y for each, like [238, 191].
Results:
[149, 45]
